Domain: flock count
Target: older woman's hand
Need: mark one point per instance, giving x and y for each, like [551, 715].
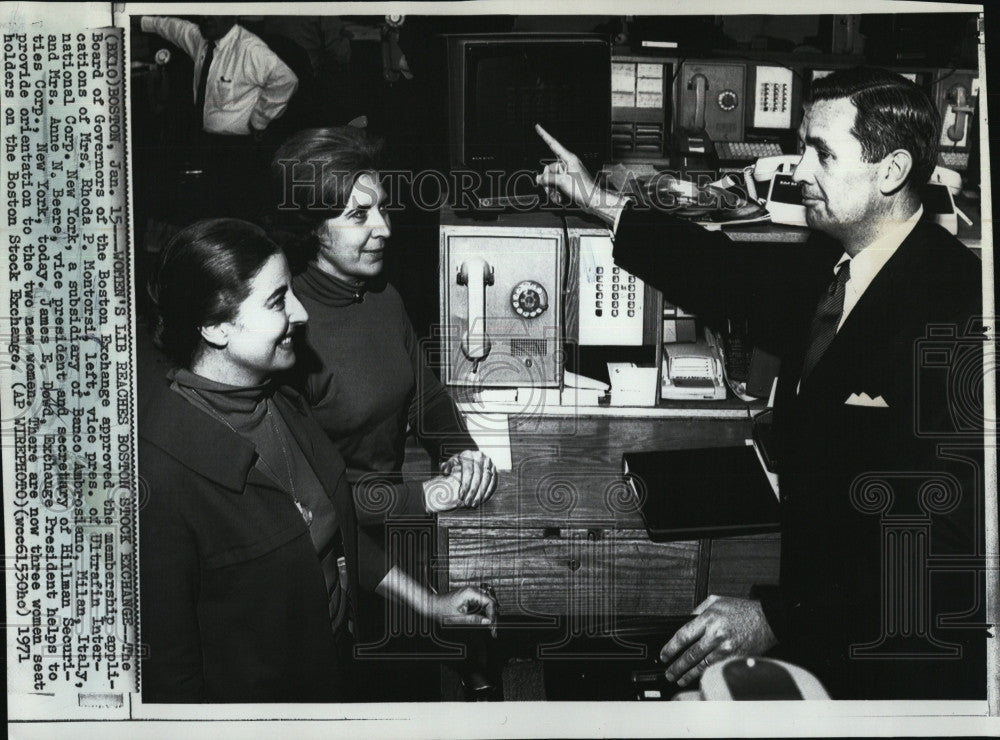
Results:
[477, 475]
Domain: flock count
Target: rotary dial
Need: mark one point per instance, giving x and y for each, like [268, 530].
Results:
[728, 100]
[529, 299]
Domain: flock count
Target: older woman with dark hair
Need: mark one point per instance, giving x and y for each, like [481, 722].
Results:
[364, 374]
[249, 550]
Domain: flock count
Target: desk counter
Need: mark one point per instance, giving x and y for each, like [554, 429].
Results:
[563, 534]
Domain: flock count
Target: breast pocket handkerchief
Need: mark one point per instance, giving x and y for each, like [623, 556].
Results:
[863, 399]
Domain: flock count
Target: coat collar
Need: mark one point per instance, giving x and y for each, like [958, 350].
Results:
[877, 298]
[202, 443]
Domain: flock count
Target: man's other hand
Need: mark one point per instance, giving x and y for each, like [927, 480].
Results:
[724, 627]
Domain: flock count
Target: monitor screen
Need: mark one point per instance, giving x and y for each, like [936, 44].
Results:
[506, 83]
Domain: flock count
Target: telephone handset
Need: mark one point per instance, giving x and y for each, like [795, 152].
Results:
[693, 143]
[764, 169]
[960, 105]
[699, 83]
[938, 199]
[476, 273]
[784, 195]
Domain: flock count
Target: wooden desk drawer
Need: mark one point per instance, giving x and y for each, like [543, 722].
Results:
[576, 571]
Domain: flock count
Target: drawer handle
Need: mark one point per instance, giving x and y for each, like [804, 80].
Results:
[573, 564]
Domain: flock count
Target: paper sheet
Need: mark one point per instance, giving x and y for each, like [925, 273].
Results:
[492, 435]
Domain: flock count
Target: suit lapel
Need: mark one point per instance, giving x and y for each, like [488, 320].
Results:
[867, 328]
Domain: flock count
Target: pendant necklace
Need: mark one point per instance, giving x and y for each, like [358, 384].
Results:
[305, 511]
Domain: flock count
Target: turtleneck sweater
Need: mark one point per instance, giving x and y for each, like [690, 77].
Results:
[251, 413]
[362, 368]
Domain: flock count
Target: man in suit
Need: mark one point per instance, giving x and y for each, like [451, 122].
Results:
[879, 451]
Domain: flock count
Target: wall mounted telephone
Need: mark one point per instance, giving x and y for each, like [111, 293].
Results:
[611, 299]
[956, 129]
[956, 96]
[692, 138]
[501, 302]
[711, 97]
[773, 107]
[710, 102]
[959, 105]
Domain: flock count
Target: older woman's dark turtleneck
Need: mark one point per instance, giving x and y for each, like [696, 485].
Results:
[331, 290]
[363, 370]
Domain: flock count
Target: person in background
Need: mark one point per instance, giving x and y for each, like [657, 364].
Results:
[862, 424]
[250, 556]
[240, 89]
[240, 85]
[324, 38]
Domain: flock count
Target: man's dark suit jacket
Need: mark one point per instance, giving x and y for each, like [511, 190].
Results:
[882, 508]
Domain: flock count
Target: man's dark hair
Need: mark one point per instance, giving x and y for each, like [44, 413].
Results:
[892, 113]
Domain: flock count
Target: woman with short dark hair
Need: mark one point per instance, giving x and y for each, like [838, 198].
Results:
[250, 555]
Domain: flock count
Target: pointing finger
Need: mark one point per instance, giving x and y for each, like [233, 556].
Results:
[558, 149]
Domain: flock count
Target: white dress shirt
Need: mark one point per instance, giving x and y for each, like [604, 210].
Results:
[248, 85]
[870, 261]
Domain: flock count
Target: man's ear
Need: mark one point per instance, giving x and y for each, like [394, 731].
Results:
[894, 171]
[216, 335]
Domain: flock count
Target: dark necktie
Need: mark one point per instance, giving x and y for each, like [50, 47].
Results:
[199, 102]
[826, 319]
